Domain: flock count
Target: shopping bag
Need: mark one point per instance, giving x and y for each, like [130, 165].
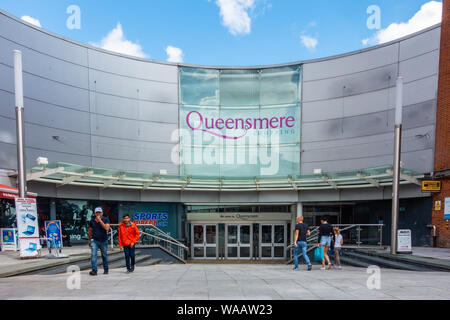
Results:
[318, 254]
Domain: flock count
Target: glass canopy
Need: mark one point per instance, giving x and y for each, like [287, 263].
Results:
[62, 173]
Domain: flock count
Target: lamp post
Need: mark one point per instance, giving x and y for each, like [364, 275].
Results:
[396, 165]
[18, 86]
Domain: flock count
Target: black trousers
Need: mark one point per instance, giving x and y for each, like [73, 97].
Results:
[129, 256]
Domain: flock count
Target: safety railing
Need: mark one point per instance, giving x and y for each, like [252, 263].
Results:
[354, 235]
[152, 235]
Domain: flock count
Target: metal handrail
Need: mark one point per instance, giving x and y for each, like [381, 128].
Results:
[313, 238]
[167, 239]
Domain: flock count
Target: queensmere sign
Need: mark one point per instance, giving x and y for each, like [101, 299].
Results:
[195, 120]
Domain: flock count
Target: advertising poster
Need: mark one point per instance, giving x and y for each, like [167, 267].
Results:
[162, 216]
[9, 241]
[404, 241]
[27, 227]
[447, 209]
[53, 234]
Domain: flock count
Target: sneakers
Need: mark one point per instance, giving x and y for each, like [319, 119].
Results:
[339, 267]
[93, 273]
[295, 268]
[323, 268]
[309, 267]
[132, 268]
[105, 271]
[129, 271]
[329, 266]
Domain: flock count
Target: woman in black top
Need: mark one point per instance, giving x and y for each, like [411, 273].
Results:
[325, 233]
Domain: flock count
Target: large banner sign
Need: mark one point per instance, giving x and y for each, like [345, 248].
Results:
[239, 123]
[54, 234]
[27, 226]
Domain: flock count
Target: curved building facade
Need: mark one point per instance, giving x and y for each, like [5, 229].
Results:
[97, 109]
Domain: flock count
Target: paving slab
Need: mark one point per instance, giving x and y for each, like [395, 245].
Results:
[268, 282]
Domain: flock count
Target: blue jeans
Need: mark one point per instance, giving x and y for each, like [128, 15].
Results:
[129, 255]
[301, 245]
[103, 246]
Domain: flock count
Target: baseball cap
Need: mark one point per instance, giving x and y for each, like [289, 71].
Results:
[98, 209]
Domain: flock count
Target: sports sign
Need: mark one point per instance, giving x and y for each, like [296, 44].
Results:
[158, 219]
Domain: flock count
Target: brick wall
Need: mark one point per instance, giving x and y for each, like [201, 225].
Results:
[442, 146]
[442, 232]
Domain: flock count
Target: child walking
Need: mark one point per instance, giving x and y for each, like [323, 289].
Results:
[338, 242]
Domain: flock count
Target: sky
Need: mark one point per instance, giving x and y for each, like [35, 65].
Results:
[229, 32]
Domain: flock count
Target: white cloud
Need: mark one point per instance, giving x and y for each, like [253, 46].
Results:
[429, 14]
[235, 16]
[31, 20]
[174, 54]
[309, 42]
[115, 41]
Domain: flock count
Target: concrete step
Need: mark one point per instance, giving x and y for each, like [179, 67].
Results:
[43, 264]
[429, 263]
[148, 262]
[83, 265]
[354, 262]
[382, 262]
[121, 262]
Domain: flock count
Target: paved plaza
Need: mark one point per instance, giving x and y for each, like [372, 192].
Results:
[231, 281]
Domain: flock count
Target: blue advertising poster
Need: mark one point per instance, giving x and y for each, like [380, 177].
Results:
[53, 233]
[9, 239]
[8, 236]
[162, 216]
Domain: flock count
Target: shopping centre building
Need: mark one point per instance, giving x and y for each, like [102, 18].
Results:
[204, 152]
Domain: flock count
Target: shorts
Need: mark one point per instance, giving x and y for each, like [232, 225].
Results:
[325, 241]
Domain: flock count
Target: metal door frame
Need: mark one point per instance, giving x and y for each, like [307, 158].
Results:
[205, 245]
[272, 245]
[238, 244]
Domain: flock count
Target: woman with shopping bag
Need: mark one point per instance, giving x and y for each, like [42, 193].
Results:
[325, 233]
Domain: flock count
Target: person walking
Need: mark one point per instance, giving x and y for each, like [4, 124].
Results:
[325, 233]
[301, 232]
[128, 237]
[338, 242]
[98, 239]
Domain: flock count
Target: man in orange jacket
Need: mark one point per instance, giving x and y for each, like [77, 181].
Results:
[128, 237]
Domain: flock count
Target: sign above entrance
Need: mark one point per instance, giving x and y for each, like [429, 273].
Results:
[431, 186]
[239, 216]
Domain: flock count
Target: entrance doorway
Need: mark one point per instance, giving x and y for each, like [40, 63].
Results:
[204, 241]
[238, 241]
[272, 241]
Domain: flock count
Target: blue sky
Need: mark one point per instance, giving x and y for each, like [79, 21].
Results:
[231, 32]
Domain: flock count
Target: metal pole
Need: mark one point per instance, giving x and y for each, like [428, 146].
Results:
[18, 86]
[380, 229]
[396, 165]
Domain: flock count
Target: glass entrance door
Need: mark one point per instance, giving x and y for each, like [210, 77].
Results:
[238, 241]
[272, 241]
[204, 241]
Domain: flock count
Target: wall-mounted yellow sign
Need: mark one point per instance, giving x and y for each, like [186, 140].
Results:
[431, 186]
[437, 205]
